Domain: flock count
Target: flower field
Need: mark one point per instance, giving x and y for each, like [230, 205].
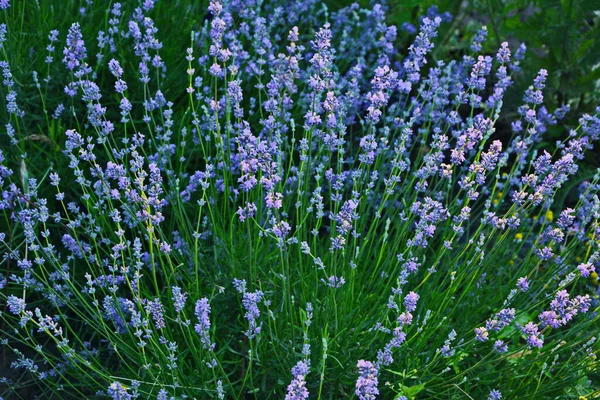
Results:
[265, 199]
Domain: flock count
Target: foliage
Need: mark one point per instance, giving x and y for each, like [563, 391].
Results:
[249, 199]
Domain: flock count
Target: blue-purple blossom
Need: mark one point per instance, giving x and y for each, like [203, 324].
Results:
[479, 38]
[367, 382]
[203, 326]
[500, 346]
[523, 284]
[297, 390]
[15, 304]
[179, 298]
[410, 301]
[75, 52]
[585, 269]
[156, 311]
[117, 391]
[481, 334]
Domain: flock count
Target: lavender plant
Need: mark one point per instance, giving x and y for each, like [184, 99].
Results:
[308, 211]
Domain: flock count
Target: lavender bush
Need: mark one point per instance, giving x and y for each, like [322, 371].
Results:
[296, 207]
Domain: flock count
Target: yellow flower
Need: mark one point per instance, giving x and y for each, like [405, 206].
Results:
[495, 202]
[594, 276]
[549, 215]
[499, 194]
[519, 236]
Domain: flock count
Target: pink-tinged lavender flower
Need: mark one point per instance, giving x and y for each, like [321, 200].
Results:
[549, 318]
[523, 284]
[203, 326]
[495, 395]
[481, 69]
[215, 8]
[75, 52]
[366, 384]
[585, 269]
[503, 54]
[296, 390]
[533, 335]
[410, 301]
[274, 200]
[405, 318]
[346, 216]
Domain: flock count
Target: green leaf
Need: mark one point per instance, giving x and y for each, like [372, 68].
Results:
[410, 391]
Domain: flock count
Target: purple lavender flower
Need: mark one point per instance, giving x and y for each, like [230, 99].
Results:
[523, 284]
[334, 281]
[410, 301]
[179, 298]
[481, 69]
[15, 304]
[405, 318]
[3, 32]
[118, 392]
[75, 52]
[162, 395]
[481, 334]
[479, 38]
[585, 269]
[156, 310]
[501, 320]
[203, 326]
[250, 302]
[296, 390]
[500, 346]
[366, 384]
[503, 54]
[533, 335]
[4, 4]
[495, 395]
[534, 95]
[519, 55]
[419, 49]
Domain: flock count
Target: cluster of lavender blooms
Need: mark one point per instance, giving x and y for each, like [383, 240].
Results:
[311, 199]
